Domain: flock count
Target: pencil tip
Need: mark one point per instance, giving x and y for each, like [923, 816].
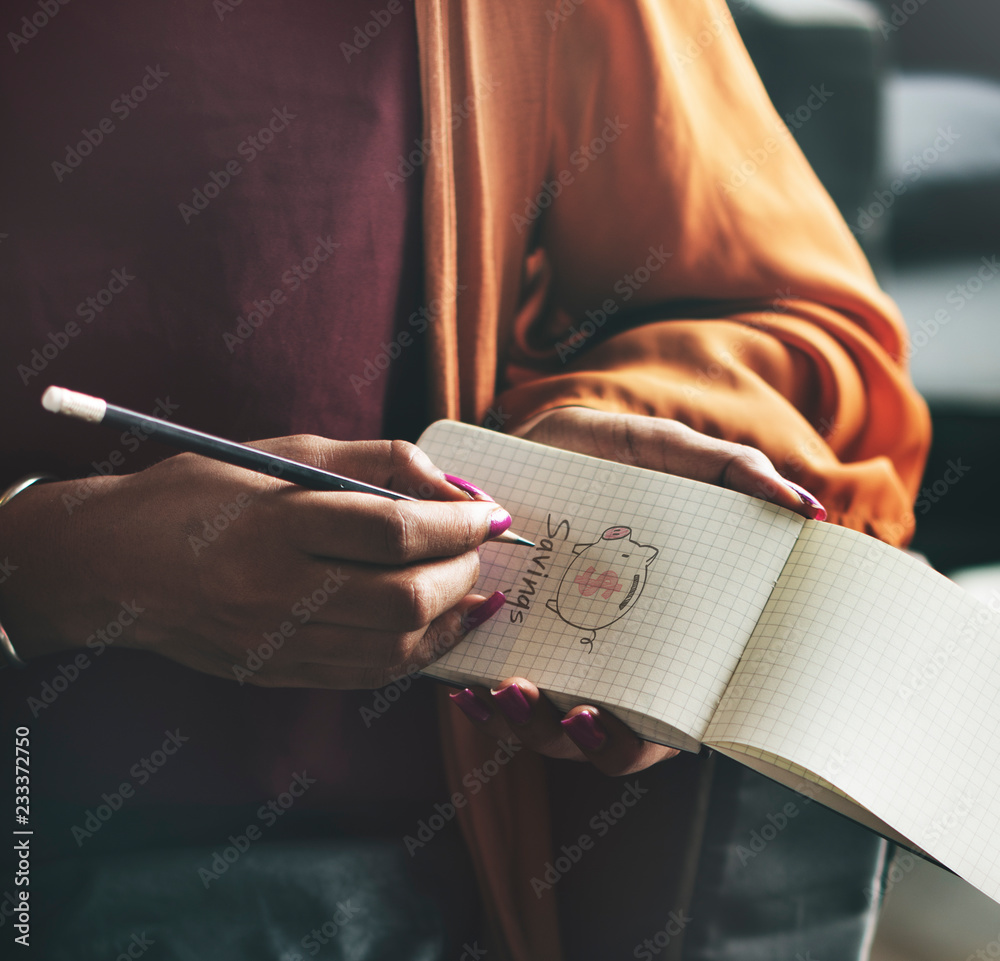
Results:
[510, 538]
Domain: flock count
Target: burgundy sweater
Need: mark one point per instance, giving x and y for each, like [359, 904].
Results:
[203, 218]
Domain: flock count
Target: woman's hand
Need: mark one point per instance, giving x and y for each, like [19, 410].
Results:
[673, 448]
[586, 733]
[349, 590]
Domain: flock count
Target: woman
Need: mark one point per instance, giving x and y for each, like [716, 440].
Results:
[599, 237]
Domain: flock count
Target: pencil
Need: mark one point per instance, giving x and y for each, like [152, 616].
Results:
[58, 400]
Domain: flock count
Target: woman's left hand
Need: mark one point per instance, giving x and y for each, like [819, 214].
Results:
[586, 732]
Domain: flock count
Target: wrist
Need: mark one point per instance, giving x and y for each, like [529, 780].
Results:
[47, 597]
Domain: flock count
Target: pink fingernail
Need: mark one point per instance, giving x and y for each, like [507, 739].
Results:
[480, 615]
[500, 520]
[513, 703]
[471, 705]
[808, 500]
[476, 493]
[585, 730]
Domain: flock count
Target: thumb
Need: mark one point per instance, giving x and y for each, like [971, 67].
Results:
[449, 629]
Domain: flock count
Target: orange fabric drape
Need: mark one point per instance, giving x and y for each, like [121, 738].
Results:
[584, 159]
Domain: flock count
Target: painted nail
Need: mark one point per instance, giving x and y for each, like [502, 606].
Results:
[471, 705]
[808, 500]
[476, 493]
[480, 615]
[585, 730]
[513, 703]
[500, 520]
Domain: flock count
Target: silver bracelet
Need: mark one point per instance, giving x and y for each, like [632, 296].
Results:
[23, 484]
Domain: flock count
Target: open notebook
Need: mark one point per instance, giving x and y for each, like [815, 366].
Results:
[818, 656]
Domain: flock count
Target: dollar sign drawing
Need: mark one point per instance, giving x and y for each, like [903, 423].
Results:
[590, 583]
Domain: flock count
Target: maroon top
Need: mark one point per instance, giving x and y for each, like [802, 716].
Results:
[198, 219]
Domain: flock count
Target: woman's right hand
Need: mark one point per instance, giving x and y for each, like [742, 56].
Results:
[349, 590]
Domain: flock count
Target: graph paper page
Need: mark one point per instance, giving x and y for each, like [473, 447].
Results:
[881, 676]
[642, 588]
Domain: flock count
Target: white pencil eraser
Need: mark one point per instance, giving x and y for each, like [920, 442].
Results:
[69, 402]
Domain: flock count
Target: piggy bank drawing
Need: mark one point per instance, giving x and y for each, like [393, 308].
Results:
[603, 582]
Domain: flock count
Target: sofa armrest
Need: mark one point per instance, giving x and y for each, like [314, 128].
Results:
[834, 46]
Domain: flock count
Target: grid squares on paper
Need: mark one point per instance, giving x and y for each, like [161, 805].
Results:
[672, 652]
[878, 674]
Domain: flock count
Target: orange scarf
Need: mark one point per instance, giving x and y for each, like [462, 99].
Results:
[584, 157]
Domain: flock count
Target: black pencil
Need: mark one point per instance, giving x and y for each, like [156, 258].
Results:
[97, 411]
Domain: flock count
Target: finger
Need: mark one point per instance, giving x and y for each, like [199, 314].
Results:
[750, 472]
[674, 448]
[384, 599]
[396, 465]
[448, 630]
[609, 744]
[319, 656]
[518, 709]
[377, 530]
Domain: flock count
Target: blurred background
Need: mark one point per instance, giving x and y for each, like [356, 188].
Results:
[908, 144]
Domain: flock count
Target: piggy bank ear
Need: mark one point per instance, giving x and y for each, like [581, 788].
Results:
[580, 548]
[651, 556]
[616, 533]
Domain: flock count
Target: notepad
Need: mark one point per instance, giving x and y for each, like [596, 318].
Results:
[833, 663]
